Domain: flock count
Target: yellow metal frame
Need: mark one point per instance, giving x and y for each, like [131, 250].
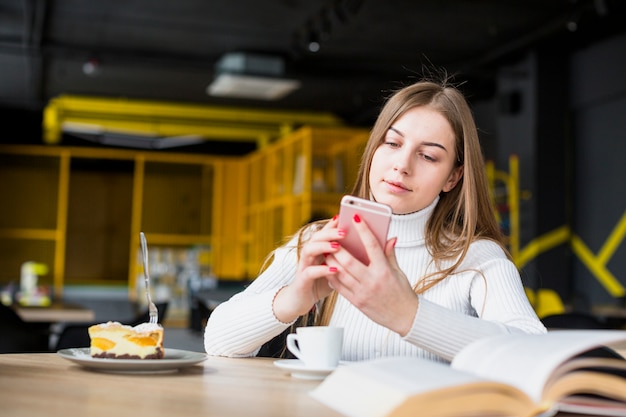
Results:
[259, 187]
[163, 119]
[227, 205]
[281, 197]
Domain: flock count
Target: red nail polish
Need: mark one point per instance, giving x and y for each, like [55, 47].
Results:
[357, 218]
[335, 217]
[341, 232]
[332, 269]
[334, 245]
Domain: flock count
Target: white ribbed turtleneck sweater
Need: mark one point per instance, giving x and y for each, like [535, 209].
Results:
[487, 298]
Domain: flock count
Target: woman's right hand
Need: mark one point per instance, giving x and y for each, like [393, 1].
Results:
[309, 285]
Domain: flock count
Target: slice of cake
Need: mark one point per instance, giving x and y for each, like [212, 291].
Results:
[118, 341]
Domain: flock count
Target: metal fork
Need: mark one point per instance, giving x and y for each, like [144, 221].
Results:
[152, 308]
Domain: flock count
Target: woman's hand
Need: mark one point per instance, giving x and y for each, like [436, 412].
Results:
[380, 290]
[310, 284]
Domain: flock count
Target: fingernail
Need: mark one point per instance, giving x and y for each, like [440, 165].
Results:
[334, 245]
[395, 240]
[332, 269]
[341, 232]
[335, 217]
[357, 218]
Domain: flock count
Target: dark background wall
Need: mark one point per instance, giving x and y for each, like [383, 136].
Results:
[564, 115]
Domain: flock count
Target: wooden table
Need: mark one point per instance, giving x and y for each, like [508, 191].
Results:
[45, 384]
[56, 312]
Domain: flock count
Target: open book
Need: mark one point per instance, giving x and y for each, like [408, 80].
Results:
[571, 371]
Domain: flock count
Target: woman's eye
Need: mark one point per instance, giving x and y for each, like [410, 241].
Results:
[427, 157]
[391, 143]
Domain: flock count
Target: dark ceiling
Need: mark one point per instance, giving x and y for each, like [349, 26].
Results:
[167, 50]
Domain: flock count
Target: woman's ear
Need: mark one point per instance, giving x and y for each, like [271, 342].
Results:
[453, 179]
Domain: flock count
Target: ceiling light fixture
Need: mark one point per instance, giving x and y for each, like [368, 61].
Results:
[113, 137]
[252, 76]
[313, 42]
[91, 67]
[317, 28]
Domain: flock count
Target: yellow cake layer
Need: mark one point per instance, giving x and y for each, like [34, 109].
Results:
[115, 340]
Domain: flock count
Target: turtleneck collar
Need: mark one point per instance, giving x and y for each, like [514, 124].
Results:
[410, 228]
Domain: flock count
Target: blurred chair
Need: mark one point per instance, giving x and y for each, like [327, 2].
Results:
[76, 335]
[545, 301]
[18, 336]
[574, 320]
[277, 346]
[73, 335]
[199, 314]
[204, 301]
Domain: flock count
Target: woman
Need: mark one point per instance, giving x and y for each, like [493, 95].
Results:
[443, 278]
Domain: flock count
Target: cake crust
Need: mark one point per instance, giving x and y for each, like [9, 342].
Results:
[159, 354]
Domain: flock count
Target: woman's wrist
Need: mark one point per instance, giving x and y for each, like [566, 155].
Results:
[287, 307]
[410, 315]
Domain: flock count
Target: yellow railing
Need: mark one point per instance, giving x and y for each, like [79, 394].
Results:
[597, 263]
[506, 195]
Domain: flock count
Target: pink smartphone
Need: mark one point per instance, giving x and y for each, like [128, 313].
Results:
[377, 217]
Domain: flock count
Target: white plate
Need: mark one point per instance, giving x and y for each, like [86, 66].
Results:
[174, 360]
[297, 369]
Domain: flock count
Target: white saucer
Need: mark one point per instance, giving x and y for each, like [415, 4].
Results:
[297, 369]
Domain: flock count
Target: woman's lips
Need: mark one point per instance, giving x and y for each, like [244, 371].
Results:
[396, 186]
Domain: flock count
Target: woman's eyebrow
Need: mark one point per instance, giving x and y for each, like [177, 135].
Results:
[438, 145]
[396, 130]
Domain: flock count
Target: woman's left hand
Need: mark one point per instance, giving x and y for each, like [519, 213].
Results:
[379, 290]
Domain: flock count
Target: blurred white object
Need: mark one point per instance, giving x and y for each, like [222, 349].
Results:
[29, 290]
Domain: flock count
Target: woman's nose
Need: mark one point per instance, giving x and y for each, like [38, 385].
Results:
[402, 163]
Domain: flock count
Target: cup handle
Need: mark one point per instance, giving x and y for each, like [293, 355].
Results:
[292, 338]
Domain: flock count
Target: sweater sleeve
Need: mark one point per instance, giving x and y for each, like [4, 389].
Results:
[485, 300]
[239, 327]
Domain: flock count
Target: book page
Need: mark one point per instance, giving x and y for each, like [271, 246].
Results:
[375, 388]
[528, 361]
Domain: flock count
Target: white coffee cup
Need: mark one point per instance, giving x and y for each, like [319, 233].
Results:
[318, 347]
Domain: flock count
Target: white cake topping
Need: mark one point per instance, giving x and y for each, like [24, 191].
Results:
[140, 328]
[147, 327]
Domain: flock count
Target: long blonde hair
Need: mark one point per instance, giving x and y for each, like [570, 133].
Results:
[463, 214]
